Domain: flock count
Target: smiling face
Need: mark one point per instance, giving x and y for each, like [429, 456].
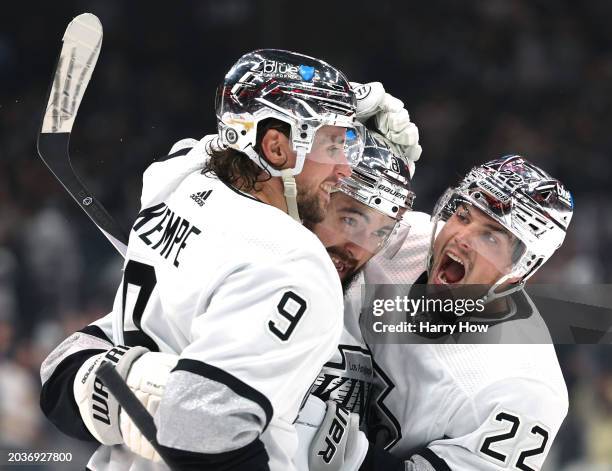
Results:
[472, 248]
[352, 233]
[324, 166]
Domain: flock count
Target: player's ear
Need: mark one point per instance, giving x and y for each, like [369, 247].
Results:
[276, 149]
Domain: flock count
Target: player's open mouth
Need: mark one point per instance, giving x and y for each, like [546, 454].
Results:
[343, 266]
[451, 269]
[339, 264]
[327, 189]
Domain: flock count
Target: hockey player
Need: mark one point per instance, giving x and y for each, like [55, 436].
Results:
[367, 208]
[217, 278]
[446, 406]
[364, 216]
[217, 273]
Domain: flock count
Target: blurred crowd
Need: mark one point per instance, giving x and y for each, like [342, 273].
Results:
[481, 79]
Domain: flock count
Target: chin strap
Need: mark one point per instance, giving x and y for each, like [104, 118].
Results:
[493, 294]
[289, 185]
[290, 194]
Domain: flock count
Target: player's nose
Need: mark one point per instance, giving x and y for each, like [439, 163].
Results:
[342, 169]
[356, 250]
[464, 241]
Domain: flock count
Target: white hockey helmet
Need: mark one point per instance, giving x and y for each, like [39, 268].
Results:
[304, 92]
[532, 205]
[380, 184]
[381, 178]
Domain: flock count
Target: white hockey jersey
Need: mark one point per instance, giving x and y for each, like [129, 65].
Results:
[348, 376]
[447, 406]
[247, 297]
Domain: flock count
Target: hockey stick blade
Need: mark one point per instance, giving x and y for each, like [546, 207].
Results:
[131, 405]
[82, 42]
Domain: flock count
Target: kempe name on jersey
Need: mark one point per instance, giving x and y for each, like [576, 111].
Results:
[162, 229]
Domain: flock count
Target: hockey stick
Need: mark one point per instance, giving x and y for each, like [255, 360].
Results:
[132, 406]
[82, 43]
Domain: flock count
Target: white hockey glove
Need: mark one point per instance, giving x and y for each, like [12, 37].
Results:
[147, 379]
[99, 409]
[146, 373]
[329, 438]
[391, 118]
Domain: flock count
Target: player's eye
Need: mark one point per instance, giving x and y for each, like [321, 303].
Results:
[334, 150]
[381, 233]
[349, 221]
[490, 238]
[463, 215]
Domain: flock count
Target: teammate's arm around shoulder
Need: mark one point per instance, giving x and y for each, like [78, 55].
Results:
[257, 345]
[510, 424]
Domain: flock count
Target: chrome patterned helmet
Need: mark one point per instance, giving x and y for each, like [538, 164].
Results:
[381, 189]
[304, 92]
[528, 202]
[381, 178]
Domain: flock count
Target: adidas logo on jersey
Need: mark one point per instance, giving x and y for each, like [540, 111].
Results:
[200, 197]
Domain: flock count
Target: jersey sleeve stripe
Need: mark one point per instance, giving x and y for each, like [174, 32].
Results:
[57, 397]
[236, 385]
[93, 339]
[252, 457]
[438, 463]
[133, 338]
[95, 331]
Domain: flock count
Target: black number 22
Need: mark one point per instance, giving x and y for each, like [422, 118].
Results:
[520, 463]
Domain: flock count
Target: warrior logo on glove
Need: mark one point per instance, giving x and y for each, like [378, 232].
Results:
[99, 396]
[100, 410]
[335, 433]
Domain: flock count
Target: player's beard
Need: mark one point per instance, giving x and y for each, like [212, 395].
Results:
[348, 280]
[312, 209]
[348, 261]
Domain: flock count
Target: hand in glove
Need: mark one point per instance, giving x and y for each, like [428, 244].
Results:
[390, 117]
[146, 373]
[99, 409]
[147, 379]
[329, 438]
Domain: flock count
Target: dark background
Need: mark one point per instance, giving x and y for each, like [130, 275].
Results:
[481, 79]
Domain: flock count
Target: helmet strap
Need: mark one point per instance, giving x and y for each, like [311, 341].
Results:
[492, 294]
[289, 185]
[253, 155]
[290, 192]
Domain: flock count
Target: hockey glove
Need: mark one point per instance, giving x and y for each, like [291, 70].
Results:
[99, 409]
[390, 118]
[329, 438]
[147, 379]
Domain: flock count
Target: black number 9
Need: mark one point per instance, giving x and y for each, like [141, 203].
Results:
[292, 317]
